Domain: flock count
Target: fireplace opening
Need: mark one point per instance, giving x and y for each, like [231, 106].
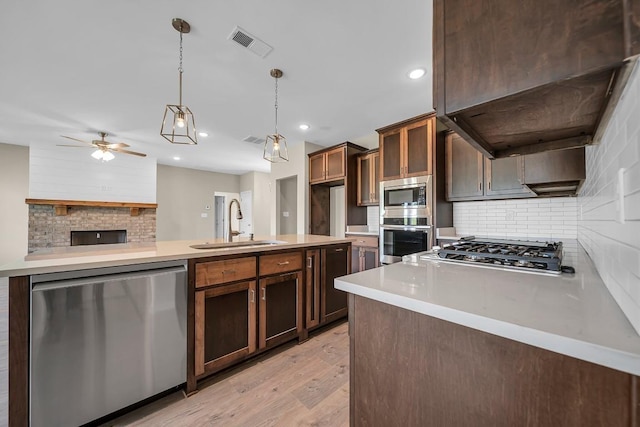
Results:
[98, 237]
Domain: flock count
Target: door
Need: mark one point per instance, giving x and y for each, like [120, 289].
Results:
[337, 211]
[219, 217]
[225, 318]
[280, 316]
[417, 154]
[317, 168]
[365, 192]
[504, 177]
[222, 200]
[336, 263]
[390, 155]
[287, 205]
[335, 164]
[246, 223]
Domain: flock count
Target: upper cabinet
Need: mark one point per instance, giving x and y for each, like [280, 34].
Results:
[406, 148]
[369, 178]
[471, 176]
[534, 75]
[328, 166]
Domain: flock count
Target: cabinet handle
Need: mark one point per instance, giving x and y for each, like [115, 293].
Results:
[264, 294]
[480, 186]
[283, 263]
[253, 295]
[339, 250]
[489, 185]
[309, 262]
[228, 271]
[360, 241]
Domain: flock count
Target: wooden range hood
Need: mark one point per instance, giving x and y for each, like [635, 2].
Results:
[61, 206]
[536, 75]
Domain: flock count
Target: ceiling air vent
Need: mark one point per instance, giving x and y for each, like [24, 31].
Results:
[254, 140]
[249, 41]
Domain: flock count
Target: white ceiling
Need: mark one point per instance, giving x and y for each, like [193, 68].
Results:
[75, 67]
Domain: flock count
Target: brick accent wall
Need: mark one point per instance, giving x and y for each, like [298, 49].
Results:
[46, 230]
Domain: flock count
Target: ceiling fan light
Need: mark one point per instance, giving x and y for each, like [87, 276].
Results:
[108, 155]
[97, 154]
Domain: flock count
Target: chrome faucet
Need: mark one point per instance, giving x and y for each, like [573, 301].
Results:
[238, 216]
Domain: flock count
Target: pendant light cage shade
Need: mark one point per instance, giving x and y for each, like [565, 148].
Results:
[275, 146]
[275, 149]
[178, 125]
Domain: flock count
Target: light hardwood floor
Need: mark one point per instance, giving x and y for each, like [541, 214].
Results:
[296, 385]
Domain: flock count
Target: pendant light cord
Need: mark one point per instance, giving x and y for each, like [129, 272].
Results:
[276, 107]
[180, 67]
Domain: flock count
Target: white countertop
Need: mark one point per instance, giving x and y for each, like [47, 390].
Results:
[97, 256]
[573, 314]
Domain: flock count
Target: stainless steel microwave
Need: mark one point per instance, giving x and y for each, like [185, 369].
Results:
[406, 198]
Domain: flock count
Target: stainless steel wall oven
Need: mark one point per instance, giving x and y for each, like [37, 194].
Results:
[405, 217]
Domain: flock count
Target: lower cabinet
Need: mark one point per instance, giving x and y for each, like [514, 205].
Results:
[335, 262]
[364, 253]
[225, 325]
[280, 311]
[312, 288]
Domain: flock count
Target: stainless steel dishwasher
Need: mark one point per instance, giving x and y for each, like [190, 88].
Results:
[104, 339]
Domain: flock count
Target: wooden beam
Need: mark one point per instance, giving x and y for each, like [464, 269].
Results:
[559, 144]
[61, 206]
[61, 210]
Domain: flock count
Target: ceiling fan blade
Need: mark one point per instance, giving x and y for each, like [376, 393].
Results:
[76, 139]
[117, 145]
[117, 150]
[76, 146]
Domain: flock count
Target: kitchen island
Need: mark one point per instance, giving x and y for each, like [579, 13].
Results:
[242, 299]
[434, 343]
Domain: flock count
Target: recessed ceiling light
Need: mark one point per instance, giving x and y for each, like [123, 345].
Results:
[176, 158]
[417, 73]
[304, 126]
[203, 134]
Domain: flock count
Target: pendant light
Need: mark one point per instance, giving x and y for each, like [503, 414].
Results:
[275, 147]
[178, 125]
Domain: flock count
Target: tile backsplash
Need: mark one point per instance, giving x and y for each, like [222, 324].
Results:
[534, 219]
[609, 203]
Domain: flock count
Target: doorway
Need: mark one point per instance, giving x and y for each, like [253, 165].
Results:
[287, 205]
[221, 202]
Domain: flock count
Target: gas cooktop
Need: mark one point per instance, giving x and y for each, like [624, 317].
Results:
[539, 257]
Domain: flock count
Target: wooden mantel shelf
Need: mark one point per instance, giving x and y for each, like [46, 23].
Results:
[62, 205]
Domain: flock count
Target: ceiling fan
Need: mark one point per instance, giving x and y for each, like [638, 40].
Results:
[103, 148]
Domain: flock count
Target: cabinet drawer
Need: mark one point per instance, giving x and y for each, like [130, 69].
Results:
[228, 270]
[368, 241]
[280, 263]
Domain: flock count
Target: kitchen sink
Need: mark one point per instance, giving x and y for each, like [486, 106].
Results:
[246, 243]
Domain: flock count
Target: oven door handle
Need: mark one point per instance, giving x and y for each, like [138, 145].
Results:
[424, 228]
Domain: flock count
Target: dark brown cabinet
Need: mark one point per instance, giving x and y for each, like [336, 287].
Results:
[547, 85]
[471, 176]
[280, 311]
[369, 178]
[406, 148]
[335, 263]
[327, 166]
[333, 167]
[364, 253]
[225, 319]
[313, 286]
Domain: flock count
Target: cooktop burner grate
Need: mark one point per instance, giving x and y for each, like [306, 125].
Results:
[525, 255]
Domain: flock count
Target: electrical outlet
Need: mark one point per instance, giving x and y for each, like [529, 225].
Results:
[204, 215]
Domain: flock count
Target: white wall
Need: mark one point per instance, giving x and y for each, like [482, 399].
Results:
[297, 165]
[14, 214]
[614, 246]
[534, 219]
[72, 174]
[183, 195]
[260, 185]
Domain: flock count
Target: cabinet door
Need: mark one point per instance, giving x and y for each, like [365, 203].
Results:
[417, 154]
[280, 314]
[225, 323]
[365, 191]
[504, 177]
[312, 288]
[335, 263]
[317, 168]
[390, 155]
[375, 178]
[335, 164]
[464, 169]
[356, 257]
[370, 258]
